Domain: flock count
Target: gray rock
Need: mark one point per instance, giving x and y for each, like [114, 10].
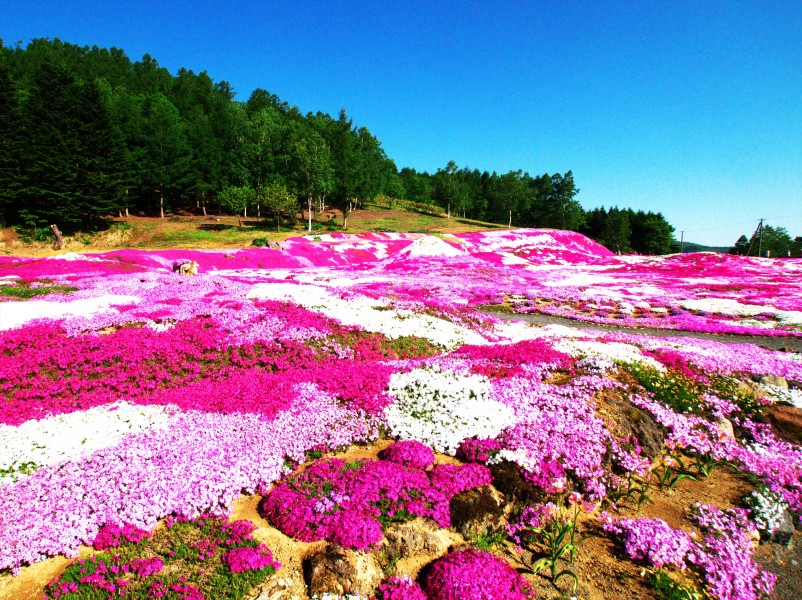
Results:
[725, 427]
[341, 571]
[784, 532]
[273, 245]
[477, 511]
[281, 588]
[414, 538]
[775, 381]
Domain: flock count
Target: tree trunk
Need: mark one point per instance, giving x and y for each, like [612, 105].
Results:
[509, 226]
[161, 202]
[126, 212]
[239, 220]
[59, 243]
[278, 222]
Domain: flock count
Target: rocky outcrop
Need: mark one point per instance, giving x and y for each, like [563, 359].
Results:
[786, 420]
[477, 511]
[337, 570]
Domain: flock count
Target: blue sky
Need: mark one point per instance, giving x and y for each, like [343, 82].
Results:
[693, 109]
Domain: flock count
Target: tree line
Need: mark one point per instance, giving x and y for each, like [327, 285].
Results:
[768, 241]
[86, 133]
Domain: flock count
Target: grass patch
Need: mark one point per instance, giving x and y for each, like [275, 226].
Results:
[27, 289]
[207, 557]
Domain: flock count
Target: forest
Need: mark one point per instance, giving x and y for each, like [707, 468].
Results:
[86, 133]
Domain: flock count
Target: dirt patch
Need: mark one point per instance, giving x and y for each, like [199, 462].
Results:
[783, 343]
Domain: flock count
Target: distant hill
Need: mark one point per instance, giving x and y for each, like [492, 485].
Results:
[691, 247]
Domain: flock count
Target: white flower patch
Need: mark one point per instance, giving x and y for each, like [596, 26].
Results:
[370, 314]
[15, 314]
[780, 394]
[767, 508]
[615, 351]
[69, 436]
[442, 409]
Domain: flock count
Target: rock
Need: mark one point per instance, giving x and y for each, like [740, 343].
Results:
[783, 533]
[337, 570]
[508, 480]
[725, 427]
[786, 421]
[477, 511]
[625, 419]
[281, 588]
[413, 538]
[273, 245]
[779, 382]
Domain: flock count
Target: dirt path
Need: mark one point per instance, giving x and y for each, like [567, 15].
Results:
[786, 343]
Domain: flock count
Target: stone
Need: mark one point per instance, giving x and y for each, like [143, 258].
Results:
[337, 570]
[625, 420]
[786, 421]
[725, 428]
[273, 245]
[784, 532]
[412, 539]
[477, 511]
[281, 588]
[508, 480]
[779, 382]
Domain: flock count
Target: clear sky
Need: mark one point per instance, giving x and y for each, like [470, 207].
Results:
[690, 108]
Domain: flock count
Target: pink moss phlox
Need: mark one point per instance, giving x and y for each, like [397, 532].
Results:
[348, 502]
[112, 535]
[507, 360]
[474, 574]
[399, 588]
[250, 559]
[652, 540]
[479, 451]
[409, 453]
[145, 567]
[454, 479]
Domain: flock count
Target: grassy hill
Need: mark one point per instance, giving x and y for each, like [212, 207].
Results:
[185, 230]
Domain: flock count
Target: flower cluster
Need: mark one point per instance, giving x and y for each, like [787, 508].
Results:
[410, 454]
[474, 574]
[400, 588]
[112, 535]
[442, 409]
[250, 559]
[349, 502]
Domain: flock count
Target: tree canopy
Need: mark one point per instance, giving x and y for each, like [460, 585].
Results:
[86, 133]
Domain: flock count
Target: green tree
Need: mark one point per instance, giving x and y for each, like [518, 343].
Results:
[774, 241]
[741, 247]
[236, 200]
[279, 200]
[616, 231]
[10, 176]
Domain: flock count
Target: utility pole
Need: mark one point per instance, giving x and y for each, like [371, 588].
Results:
[760, 240]
[681, 241]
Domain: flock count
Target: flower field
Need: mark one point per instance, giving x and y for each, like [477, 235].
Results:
[132, 394]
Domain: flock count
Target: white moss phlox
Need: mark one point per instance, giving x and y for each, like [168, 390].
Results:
[442, 409]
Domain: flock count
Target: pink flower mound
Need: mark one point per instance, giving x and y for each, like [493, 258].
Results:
[349, 503]
[509, 360]
[250, 559]
[454, 479]
[653, 541]
[145, 567]
[474, 574]
[400, 588]
[112, 535]
[478, 451]
[409, 453]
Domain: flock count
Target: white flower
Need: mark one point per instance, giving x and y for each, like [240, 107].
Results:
[441, 409]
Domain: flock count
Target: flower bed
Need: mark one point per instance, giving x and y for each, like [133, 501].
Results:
[142, 394]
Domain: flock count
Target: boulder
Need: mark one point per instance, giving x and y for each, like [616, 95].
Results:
[786, 420]
[779, 382]
[477, 511]
[413, 539]
[624, 420]
[337, 570]
[508, 480]
[273, 245]
[725, 428]
[783, 533]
